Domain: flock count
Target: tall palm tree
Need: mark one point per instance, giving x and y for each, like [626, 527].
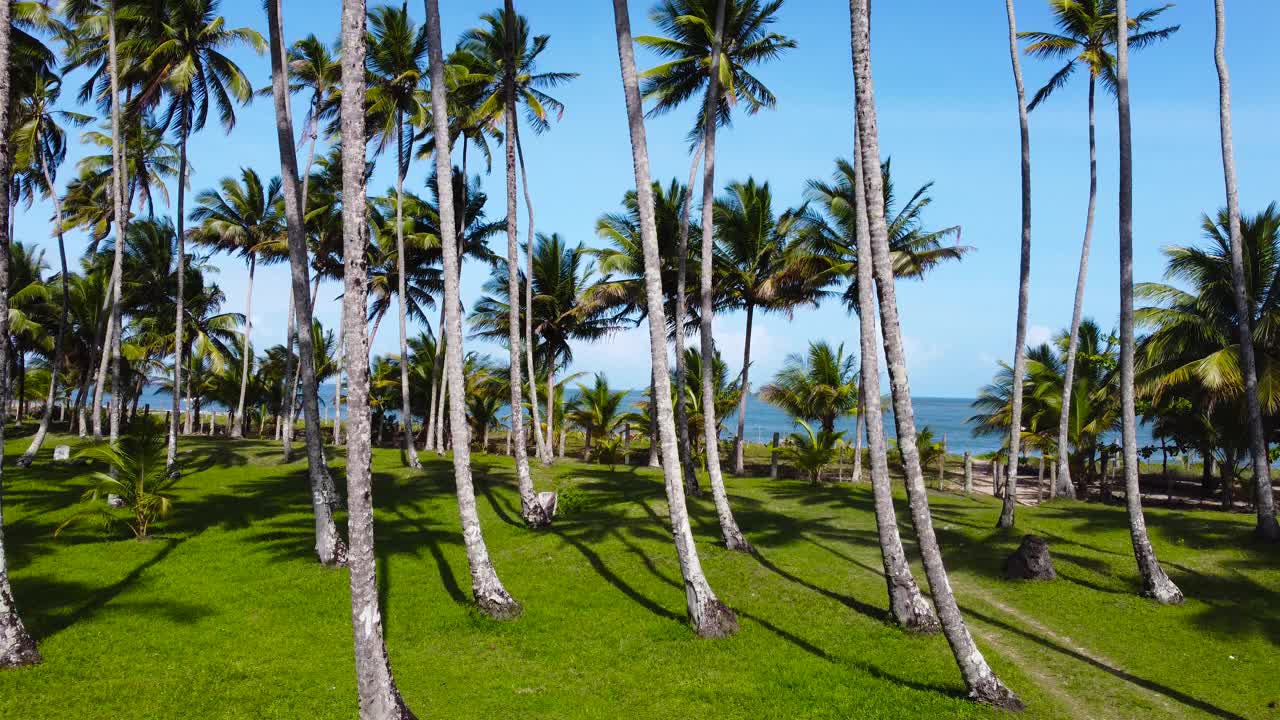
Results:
[1155, 583]
[16, 646]
[187, 70]
[379, 697]
[1006, 519]
[694, 46]
[754, 249]
[41, 142]
[981, 681]
[1086, 34]
[245, 218]
[709, 616]
[487, 590]
[398, 106]
[1267, 528]
[507, 77]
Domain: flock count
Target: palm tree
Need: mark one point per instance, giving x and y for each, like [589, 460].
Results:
[246, 218]
[1155, 583]
[1006, 519]
[379, 697]
[487, 590]
[811, 452]
[398, 105]
[40, 141]
[738, 40]
[821, 385]
[506, 76]
[16, 646]
[186, 68]
[597, 410]
[330, 550]
[1087, 31]
[709, 616]
[754, 248]
[727, 389]
[1267, 527]
[981, 681]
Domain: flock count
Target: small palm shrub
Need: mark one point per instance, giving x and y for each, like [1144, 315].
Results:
[137, 477]
[811, 452]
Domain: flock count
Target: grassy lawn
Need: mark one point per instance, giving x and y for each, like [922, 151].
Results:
[225, 615]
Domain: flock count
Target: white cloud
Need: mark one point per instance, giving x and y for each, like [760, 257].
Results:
[1038, 334]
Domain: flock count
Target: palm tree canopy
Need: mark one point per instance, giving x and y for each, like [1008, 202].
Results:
[244, 218]
[821, 385]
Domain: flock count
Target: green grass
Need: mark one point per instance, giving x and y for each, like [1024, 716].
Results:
[223, 614]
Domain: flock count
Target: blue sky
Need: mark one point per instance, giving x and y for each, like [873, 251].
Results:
[947, 114]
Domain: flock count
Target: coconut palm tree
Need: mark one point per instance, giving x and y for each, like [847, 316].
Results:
[379, 697]
[245, 218]
[506, 76]
[487, 590]
[597, 409]
[695, 46]
[1085, 37]
[1267, 528]
[709, 616]
[754, 249]
[821, 385]
[981, 681]
[186, 69]
[727, 389]
[16, 646]
[1006, 519]
[40, 141]
[398, 104]
[1155, 583]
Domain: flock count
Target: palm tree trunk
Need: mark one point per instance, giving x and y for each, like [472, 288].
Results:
[1024, 283]
[1155, 584]
[906, 603]
[682, 371]
[551, 407]
[1266, 528]
[1064, 486]
[733, 538]
[100, 384]
[490, 595]
[119, 183]
[248, 341]
[534, 513]
[379, 697]
[437, 375]
[184, 128]
[38, 439]
[16, 646]
[746, 390]
[337, 377]
[406, 413]
[709, 616]
[288, 390]
[862, 407]
[982, 683]
[544, 453]
[440, 404]
[330, 549]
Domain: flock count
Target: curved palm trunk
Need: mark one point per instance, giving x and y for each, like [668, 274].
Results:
[535, 513]
[1267, 528]
[119, 183]
[1155, 584]
[16, 646]
[981, 681]
[406, 414]
[682, 371]
[330, 548]
[37, 441]
[488, 591]
[709, 616]
[379, 697]
[654, 440]
[172, 454]
[100, 382]
[248, 343]
[1063, 486]
[1024, 283]
[862, 409]
[437, 375]
[544, 451]
[906, 603]
[738, 468]
[733, 538]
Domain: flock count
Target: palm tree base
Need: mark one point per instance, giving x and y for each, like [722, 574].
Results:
[736, 542]
[713, 619]
[1268, 530]
[17, 649]
[917, 617]
[1160, 588]
[1006, 511]
[496, 603]
[990, 691]
[539, 513]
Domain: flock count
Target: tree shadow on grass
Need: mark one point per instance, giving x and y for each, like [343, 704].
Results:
[1124, 675]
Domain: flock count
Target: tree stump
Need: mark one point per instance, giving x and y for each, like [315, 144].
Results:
[1030, 561]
